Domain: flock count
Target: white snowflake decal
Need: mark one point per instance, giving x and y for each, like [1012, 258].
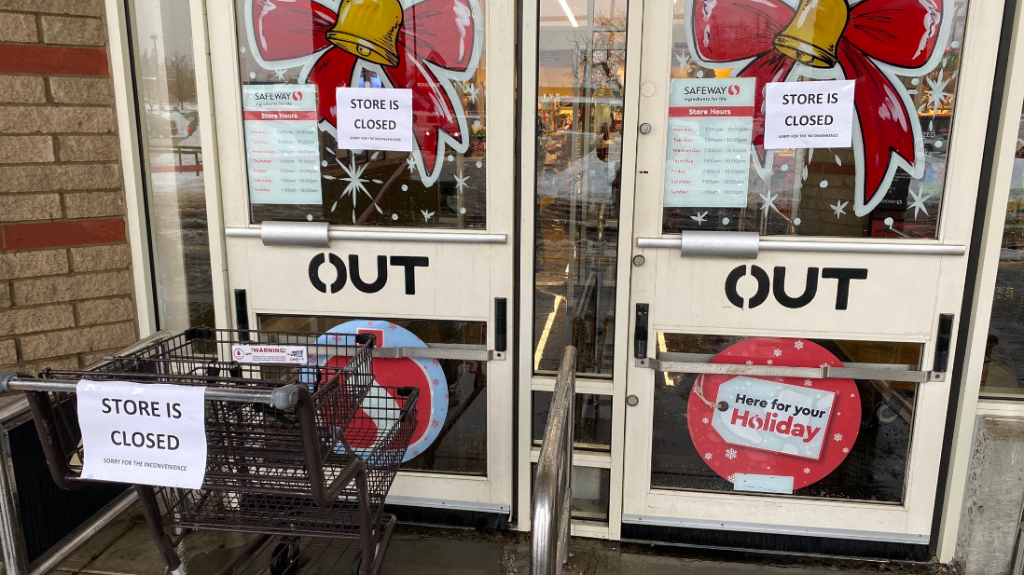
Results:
[730, 453]
[355, 184]
[808, 382]
[807, 469]
[708, 456]
[798, 344]
[846, 450]
[750, 362]
[705, 421]
[777, 353]
[731, 478]
[838, 437]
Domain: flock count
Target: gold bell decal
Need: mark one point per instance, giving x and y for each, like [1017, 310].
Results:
[813, 35]
[369, 30]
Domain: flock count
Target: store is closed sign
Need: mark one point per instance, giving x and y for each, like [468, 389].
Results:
[146, 434]
[375, 119]
[815, 114]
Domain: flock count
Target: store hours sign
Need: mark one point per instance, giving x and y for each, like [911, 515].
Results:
[282, 144]
[146, 434]
[710, 122]
[774, 434]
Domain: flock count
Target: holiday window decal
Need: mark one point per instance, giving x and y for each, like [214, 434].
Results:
[871, 42]
[424, 46]
[774, 427]
[389, 375]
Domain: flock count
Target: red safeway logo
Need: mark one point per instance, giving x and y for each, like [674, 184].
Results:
[734, 90]
[297, 96]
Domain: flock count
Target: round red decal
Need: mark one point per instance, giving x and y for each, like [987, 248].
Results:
[774, 428]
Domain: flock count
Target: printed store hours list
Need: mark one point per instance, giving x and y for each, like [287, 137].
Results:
[710, 124]
[282, 144]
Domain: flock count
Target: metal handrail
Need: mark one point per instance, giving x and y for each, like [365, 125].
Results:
[552, 486]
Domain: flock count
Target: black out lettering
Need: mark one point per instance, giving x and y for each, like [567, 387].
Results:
[377, 284]
[779, 288]
[776, 286]
[763, 286]
[844, 275]
[410, 263]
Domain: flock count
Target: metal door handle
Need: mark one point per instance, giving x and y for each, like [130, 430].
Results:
[862, 371]
[725, 244]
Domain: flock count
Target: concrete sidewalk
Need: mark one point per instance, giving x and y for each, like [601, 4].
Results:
[124, 548]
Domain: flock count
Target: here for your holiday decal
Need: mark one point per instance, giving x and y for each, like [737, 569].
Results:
[774, 434]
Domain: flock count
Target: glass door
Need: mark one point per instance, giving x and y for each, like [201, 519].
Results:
[366, 169]
[805, 175]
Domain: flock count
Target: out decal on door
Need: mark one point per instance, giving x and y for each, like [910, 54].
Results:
[389, 375]
[756, 431]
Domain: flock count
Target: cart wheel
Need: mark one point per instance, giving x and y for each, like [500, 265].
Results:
[285, 559]
[357, 562]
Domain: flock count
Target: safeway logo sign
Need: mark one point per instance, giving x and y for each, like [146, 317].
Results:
[734, 90]
[297, 96]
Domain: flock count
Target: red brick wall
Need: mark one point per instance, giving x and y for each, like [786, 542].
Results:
[65, 266]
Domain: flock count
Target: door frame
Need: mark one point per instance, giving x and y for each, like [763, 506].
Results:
[529, 382]
[232, 237]
[911, 521]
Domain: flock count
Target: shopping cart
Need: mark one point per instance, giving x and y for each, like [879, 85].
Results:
[294, 450]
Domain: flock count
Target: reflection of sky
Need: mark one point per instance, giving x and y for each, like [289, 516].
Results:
[169, 20]
[1017, 180]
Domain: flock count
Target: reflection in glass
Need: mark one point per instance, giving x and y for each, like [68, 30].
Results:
[593, 430]
[874, 470]
[811, 192]
[591, 489]
[1003, 373]
[582, 54]
[461, 445]
[438, 54]
[170, 131]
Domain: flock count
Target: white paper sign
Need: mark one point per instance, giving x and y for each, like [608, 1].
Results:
[375, 119]
[147, 434]
[710, 123]
[773, 416]
[808, 114]
[282, 144]
[269, 353]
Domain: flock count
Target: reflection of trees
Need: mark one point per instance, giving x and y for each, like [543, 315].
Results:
[168, 79]
[579, 216]
[600, 55]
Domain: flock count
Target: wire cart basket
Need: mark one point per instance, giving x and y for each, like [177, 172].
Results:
[297, 450]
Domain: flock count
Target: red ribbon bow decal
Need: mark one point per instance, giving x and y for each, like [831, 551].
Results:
[424, 47]
[870, 42]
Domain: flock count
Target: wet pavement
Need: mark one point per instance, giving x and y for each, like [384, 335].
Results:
[125, 548]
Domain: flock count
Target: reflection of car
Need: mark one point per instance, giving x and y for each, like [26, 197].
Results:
[935, 142]
[159, 126]
[193, 122]
[162, 124]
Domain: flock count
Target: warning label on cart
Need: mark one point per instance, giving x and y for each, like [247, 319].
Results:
[146, 434]
[269, 353]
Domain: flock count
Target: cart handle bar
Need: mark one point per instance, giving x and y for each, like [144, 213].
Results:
[285, 397]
